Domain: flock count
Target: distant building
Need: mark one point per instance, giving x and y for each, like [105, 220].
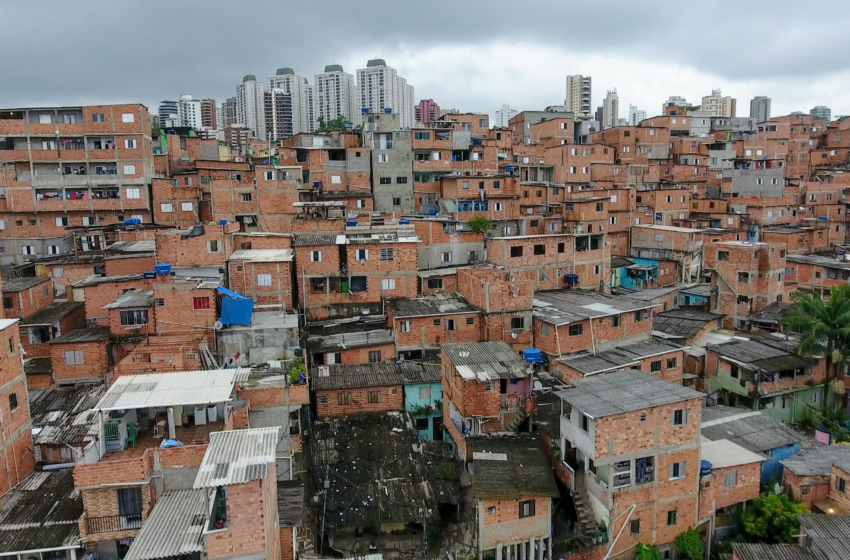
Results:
[249, 105]
[427, 110]
[209, 114]
[189, 112]
[577, 98]
[301, 96]
[611, 109]
[168, 114]
[279, 111]
[598, 116]
[635, 115]
[228, 113]
[381, 88]
[718, 105]
[334, 95]
[821, 112]
[760, 108]
[676, 100]
[504, 115]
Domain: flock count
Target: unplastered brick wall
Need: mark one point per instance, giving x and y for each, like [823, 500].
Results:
[95, 360]
[264, 282]
[344, 402]
[746, 487]
[98, 295]
[120, 265]
[103, 502]
[433, 330]
[209, 249]
[26, 302]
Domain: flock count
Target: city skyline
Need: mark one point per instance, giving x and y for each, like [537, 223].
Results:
[485, 74]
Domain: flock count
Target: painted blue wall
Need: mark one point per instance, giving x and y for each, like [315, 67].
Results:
[768, 468]
[691, 299]
[412, 403]
[630, 283]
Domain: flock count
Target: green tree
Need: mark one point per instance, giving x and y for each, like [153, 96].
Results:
[335, 124]
[689, 545]
[772, 519]
[825, 328]
[646, 552]
[296, 368]
[479, 224]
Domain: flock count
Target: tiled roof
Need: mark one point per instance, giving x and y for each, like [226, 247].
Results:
[440, 304]
[94, 334]
[132, 299]
[326, 378]
[51, 314]
[13, 285]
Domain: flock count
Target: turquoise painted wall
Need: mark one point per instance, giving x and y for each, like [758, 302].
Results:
[413, 404]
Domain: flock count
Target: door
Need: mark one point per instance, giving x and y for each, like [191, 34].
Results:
[437, 426]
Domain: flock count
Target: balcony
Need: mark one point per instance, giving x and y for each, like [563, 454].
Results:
[113, 524]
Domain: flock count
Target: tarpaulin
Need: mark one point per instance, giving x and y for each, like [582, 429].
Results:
[235, 309]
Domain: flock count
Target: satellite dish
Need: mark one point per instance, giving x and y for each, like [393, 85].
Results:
[218, 325]
[513, 335]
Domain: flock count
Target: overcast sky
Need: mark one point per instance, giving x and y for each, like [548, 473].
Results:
[472, 56]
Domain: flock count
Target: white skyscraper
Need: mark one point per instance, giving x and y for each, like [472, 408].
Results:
[610, 109]
[380, 87]
[577, 99]
[635, 115]
[334, 96]
[249, 105]
[717, 105]
[168, 114]
[295, 86]
[504, 115]
[677, 100]
[189, 111]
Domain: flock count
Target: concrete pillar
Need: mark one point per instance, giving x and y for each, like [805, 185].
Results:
[498, 551]
[530, 555]
[549, 548]
[516, 551]
[508, 553]
[540, 550]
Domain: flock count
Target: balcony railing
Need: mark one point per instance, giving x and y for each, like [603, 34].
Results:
[113, 523]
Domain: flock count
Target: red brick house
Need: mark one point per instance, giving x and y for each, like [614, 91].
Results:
[82, 354]
[24, 296]
[264, 275]
[421, 325]
[48, 323]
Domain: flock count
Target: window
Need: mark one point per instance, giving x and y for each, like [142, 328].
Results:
[730, 479]
[585, 422]
[445, 257]
[361, 203]
[840, 483]
[472, 256]
[576, 330]
[743, 299]
[165, 207]
[498, 206]
[676, 471]
[516, 251]
[489, 386]
[638, 316]
[464, 185]
[722, 255]
[97, 117]
[634, 527]
[28, 250]
[517, 323]
[743, 277]
[315, 256]
[159, 302]
[201, 302]
[544, 329]
[615, 320]
[450, 325]
[343, 398]
[212, 246]
[264, 279]
[186, 206]
[421, 135]
[61, 222]
[8, 303]
[671, 517]
[435, 283]
[655, 366]
[130, 144]
[435, 156]
[336, 179]
[58, 272]
[405, 326]
[540, 249]
[386, 254]
[388, 283]
[128, 117]
[132, 317]
[401, 180]
[53, 249]
[679, 417]
[13, 401]
[526, 508]
[671, 363]
[73, 357]
[396, 202]
[361, 254]
[374, 357]
[131, 193]
[436, 322]
[386, 181]
[470, 320]
[383, 158]
[245, 197]
[542, 276]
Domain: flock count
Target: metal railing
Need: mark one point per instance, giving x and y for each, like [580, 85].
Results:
[113, 523]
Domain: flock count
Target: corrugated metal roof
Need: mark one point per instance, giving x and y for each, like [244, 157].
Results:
[51, 314]
[723, 453]
[623, 391]
[311, 240]
[818, 260]
[750, 429]
[262, 255]
[290, 503]
[174, 527]
[95, 334]
[686, 323]
[817, 461]
[40, 364]
[237, 457]
[773, 312]
[617, 358]
[96, 279]
[344, 341]
[357, 238]
[705, 290]
[64, 414]
[12, 285]
[561, 307]
[752, 551]
[440, 304]
[764, 354]
[328, 378]
[486, 361]
[511, 467]
[42, 512]
[148, 246]
[830, 533]
[132, 299]
[171, 389]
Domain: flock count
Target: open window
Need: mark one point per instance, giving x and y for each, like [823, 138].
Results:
[218, 514]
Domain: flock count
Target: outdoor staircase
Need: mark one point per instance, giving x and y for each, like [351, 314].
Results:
[519, 418]
[304, 541]
[587, 530]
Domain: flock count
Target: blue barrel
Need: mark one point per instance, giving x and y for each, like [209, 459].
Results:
[317, 183]
[571, 278]
[351, 223]
[531, 355]
[163, 268]
[509, 169]
[222, 222]
[704, 468]
[403, 222]
[432, 212]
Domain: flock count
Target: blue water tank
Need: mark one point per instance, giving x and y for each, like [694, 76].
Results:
[704, 468]
[571, 278]
[822, 218]
[477, 142]
[432, 212]
[222, 222]
[509, 169]
[531, 355]
[317, 183]
[350, 223]
[163, 268]
[132, 222]
[403, 222]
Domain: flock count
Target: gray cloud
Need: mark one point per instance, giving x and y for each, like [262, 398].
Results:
[97, 51]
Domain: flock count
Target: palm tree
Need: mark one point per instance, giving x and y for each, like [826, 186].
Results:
[825, 328]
